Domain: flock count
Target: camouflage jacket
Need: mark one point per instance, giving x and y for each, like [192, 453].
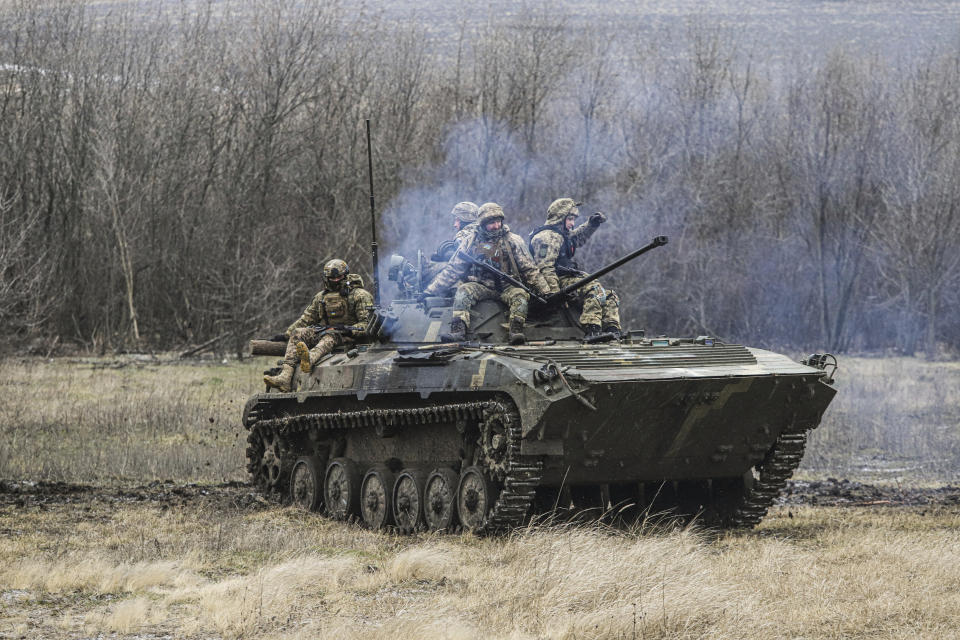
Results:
[431, 268]
[334, 307]
[547, 244]
[505, 252]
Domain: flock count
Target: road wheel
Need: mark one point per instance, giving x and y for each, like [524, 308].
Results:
[408, 500]
[376, 497]
[474, 498]
[265, 460]
[440, 499]
[341, 489]
[306, 483]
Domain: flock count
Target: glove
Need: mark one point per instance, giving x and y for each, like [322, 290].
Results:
[280, 337]
[597, 219]
[422, 296]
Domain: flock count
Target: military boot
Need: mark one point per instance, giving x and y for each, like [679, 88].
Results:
[612, 329]
[303, 352]
[516, 331]
[282, 380]
[591, 330]
[458, 331]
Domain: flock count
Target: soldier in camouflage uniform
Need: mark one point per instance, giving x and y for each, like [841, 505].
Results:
[553, 246]
[464, 216]
[492, 242]
[337, 315]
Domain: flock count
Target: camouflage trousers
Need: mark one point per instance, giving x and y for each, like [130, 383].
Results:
[470, 293]
[319, 345]
[600, 306]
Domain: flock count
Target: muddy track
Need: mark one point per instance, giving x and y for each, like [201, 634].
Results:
[831, 492]
[846, 493]
[229, 495]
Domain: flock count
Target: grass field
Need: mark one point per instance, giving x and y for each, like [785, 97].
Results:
[210, 570]
[124, 420]
[136, 420]
[106, 559]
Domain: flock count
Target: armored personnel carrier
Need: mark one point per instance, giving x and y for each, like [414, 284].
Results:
[413, 433]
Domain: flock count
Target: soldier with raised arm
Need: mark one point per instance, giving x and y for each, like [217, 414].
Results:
[553, 246]
[337, 315]
[490, 242]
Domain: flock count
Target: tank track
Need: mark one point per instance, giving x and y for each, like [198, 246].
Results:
[523, 473]
[777, 467]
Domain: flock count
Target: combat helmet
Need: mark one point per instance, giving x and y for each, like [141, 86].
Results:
[334, 272]
[465, 212]
[489, 211]
[560, 208]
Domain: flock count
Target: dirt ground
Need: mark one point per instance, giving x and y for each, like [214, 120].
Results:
[238, 496]
[166, 560]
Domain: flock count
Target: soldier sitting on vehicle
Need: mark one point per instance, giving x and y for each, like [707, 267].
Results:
[409, 278]
[553, 246]
[337, 315]
[464, 218]
[490, 242]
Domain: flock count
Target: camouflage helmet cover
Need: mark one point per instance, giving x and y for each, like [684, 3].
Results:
[334, 272]
[561, 208]
[465, 212]
[488, 212]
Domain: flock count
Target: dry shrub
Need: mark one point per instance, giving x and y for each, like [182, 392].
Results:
[243, 605]
[95, 574]
[584, 583]
[128, 616]
[443, 628]
[420, 563]
[823, 573]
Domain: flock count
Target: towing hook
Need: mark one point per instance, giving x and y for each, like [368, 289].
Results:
[822, 361]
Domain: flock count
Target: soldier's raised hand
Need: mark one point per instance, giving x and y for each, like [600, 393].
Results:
[596, 219]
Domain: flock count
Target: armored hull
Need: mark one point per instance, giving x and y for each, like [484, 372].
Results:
[415, 434]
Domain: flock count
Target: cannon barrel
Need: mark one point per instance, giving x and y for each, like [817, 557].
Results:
[658, 241]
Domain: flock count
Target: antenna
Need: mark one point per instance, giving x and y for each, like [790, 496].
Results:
[373, 223]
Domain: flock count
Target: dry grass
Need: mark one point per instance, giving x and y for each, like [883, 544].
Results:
[200, 572]
[123, 420]
[216, 570]
[893, 419]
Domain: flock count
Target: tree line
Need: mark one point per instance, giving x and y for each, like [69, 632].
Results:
[173, 175]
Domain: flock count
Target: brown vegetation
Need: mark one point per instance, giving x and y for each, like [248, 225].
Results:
[171, 175]
[218, 561]
[205, 571]
[123, 420]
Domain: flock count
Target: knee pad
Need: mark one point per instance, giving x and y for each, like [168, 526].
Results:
[518, 307]
[597, 291]
[462, 300]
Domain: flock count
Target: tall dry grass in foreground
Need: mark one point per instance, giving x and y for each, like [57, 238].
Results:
[197, 573]
[893, 420]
